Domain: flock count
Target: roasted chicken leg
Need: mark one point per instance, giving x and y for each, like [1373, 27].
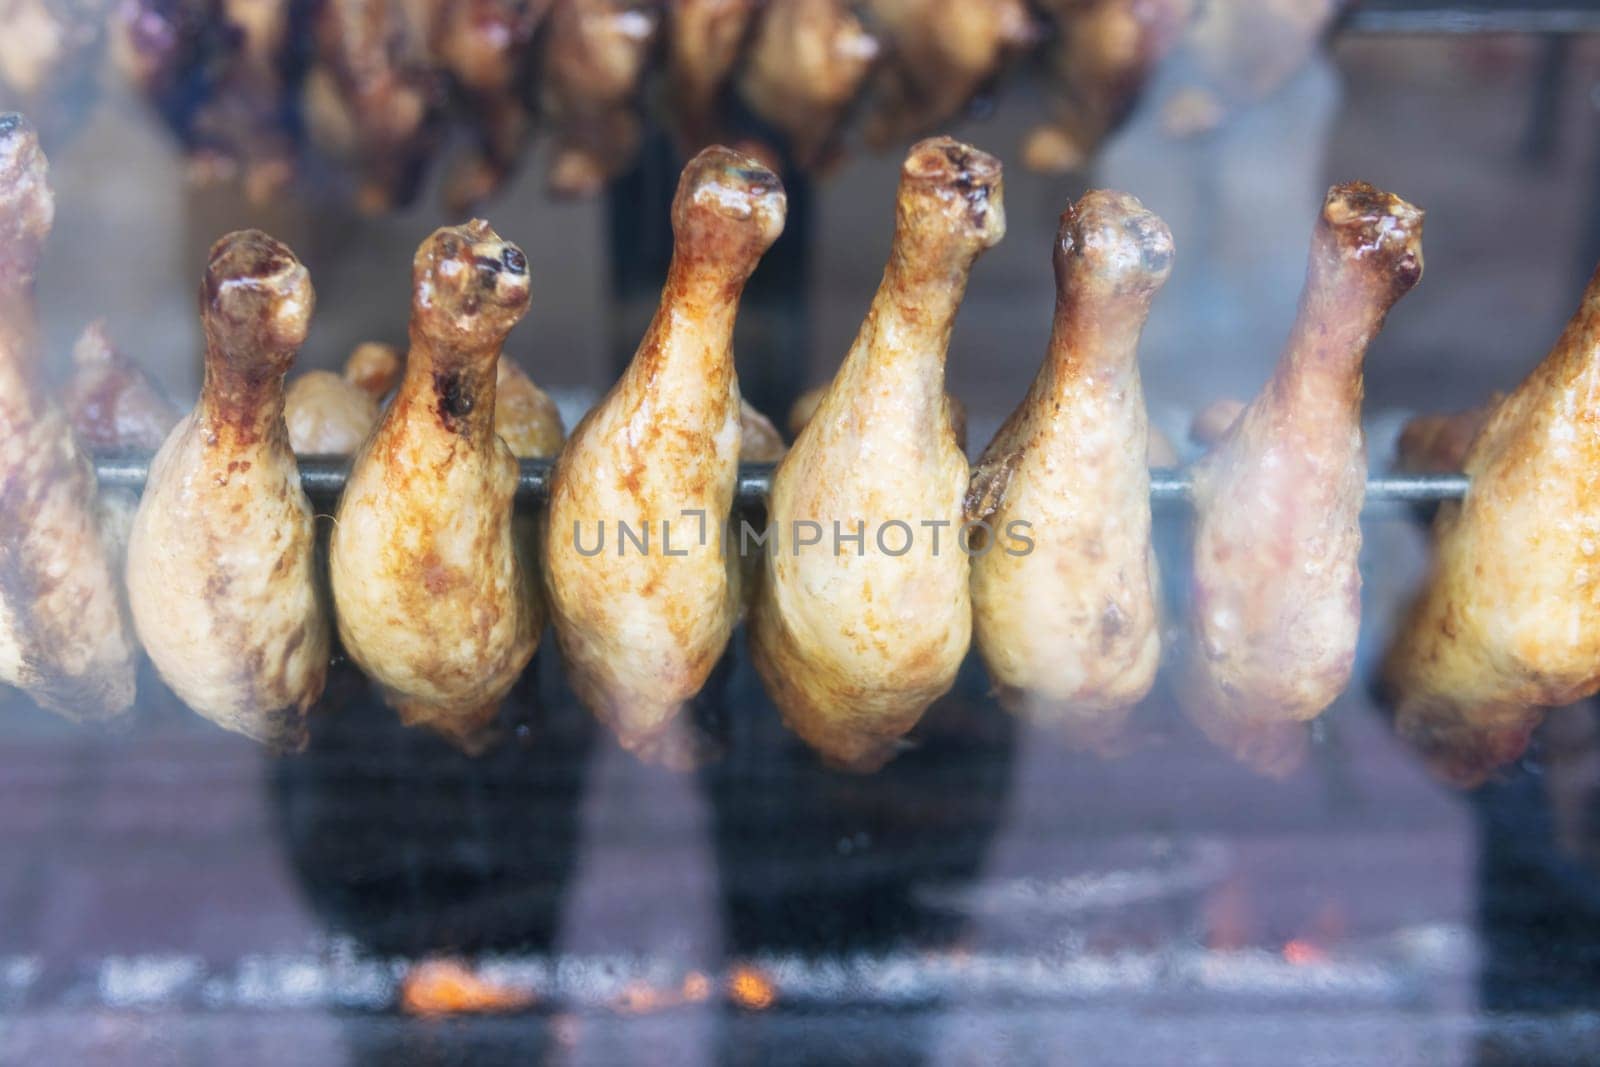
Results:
[1509, 620]
[641, 627]
[856, 638]
[1275, 600]
[113, 404]
[371, 98]
[432, 599]
[808, 60]
[939, 56]
[595, 54]
[1069, 622]
[1103, 53]
[705, 39]
[220, 571]
[64, 636]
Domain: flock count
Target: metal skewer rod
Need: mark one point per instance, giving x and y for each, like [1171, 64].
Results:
[324, 476]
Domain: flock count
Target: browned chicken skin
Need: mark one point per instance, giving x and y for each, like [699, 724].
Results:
[854, 645]
[220, 561]
[1276, 593]
[64, 637]
[939, 55]
[1509, 620]
[808, 60]
[1070, 628]
[1103, 53]
[433, 600]
[594, 58]
[805, 406]
[640, 630]
[371, 97]
[114, 406]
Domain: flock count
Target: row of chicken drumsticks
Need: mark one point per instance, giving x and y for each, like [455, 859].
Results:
[439, 592]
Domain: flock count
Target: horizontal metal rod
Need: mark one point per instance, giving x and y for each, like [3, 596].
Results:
[1473, 18]
[323, 476]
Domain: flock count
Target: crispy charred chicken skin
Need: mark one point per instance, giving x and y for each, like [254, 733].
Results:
[1070, 628]
[641, 630]
[220, 561]
[855, 646]
[1275, 600]
[64, 635]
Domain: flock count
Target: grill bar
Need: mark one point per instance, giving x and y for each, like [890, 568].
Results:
[323, 476]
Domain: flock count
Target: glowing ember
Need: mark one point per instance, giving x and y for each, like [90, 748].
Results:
[1300, 952]
[751, 989]
[696, 987]
[446, 987]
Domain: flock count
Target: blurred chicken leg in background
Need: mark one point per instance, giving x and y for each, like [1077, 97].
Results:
[50, 53]
[220, 560]
[641, 629]
[433, 601]
[1275, 597]
[807, 63]
[705, 41]
[938, 57]
[371, 99]
[64, 634]
[332, 414]
[1103, 53]
[486, 46]
[113, 404]
[1438, 444]
[525, 416]
[1509, 620]
[1070, 627]
[595, 54]
[115, 407]
[854, 644]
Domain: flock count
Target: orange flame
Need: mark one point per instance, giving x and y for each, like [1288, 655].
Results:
[751, 989]
[446, 987]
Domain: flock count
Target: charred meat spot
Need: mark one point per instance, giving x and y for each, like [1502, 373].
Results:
[455, 399]
[514, 260]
